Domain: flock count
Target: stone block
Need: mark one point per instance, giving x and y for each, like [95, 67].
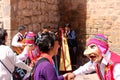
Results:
[40, 18]
[6, 11]
[14, 23]
[1, 10]
[30, 27]
[27, 20]
[43, 5]
[51, 1]
[7, 23]
[34, 19]
[36, 13]
[22, 4]
[29, 5]
[26, 13]
[36, 28]
[6, 2]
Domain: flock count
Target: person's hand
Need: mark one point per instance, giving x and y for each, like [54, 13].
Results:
[28, 47]
[27, 75]
[70, 76]
[65, 76]
[65, 35]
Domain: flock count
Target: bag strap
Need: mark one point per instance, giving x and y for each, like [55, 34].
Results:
[6, 67]
[39, 61]
[31, 77]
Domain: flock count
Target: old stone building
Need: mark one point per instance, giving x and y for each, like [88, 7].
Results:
[87, 17]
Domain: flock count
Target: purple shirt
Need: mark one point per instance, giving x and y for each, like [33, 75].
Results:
[46, 71]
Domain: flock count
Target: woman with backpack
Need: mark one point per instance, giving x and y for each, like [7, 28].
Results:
[44, 68]
[9, 59]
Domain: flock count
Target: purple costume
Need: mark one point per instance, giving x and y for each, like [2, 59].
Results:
[46, 71]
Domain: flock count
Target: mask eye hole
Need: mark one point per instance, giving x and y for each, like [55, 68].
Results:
[92, 46]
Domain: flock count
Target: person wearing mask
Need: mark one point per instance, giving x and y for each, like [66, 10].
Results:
[33, 53]
[8, 59]
[105, 62]
[45, 68]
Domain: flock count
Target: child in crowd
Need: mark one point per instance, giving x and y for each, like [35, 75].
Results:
[34, 52]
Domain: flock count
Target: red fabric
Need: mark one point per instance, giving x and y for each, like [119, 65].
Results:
[34, 55]
[45, 55]
[62, 51]
[108, 75]
[97, 71]
[115, 58]
[61, 32]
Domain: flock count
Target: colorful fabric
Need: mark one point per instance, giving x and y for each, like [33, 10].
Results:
[108, 73]
[45, 70]
[30, 37]
[48, 57]
[50, 60]
[17, 39]
[34, 54]
[101, 41]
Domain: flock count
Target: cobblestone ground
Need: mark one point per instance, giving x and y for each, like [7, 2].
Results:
[87, 77]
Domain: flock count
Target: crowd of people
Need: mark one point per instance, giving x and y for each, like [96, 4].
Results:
[36, 54]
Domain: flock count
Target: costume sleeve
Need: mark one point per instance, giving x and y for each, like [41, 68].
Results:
[49, 69]
[23, 56]
[116, 72]
[71, 34]
[17, 62]
[86, 68]
[22, 65]
[15, 41]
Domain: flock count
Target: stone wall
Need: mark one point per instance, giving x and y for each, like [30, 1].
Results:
[31, 13]
[34, 14]
[74, 12]
[5, 16]
[103, 16]
[0, 13]
[89, 17]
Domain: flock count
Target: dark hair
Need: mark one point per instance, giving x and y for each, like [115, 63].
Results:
[3, 34]
[46, 27]
[46, 41]
[20, 28]
[68, 25]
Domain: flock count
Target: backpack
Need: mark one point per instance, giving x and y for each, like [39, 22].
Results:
[31, 77]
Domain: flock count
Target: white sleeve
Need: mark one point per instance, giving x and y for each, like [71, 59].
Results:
[17, 62]
[116, 72]
[22, 65]
[15, 41]
[86, 68]
[23, 56]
